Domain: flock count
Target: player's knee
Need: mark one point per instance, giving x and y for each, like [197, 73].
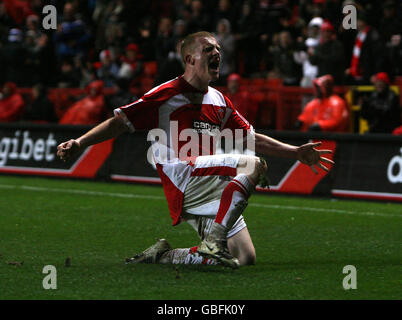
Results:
[259, 169]
[247, 165]
[261, 166]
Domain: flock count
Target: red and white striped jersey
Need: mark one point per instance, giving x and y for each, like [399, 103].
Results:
[184, 113]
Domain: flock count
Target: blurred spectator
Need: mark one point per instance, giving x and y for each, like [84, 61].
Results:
[327, 112]
[131, 64]
[107, 68]
[196, 17]
[69, 75]
[390, 24]
[110, 24]
[86, 71]
[18, 10]
[40, 64]
[14, 56]
[179, 30]
[5, 19]
[283, 61]
[368, 53]
[394, 53]
[89, 110]
[310, 71]
[42, 52]
[32, 26]
[241, 99]
[11, 103]
[286, 23]
[329, 54]
[247, 39]
[72, 36]
[146, 41]
[173, 66]
[226, 40]
[225, 10]
[121, 97]
[308, 9]
[40, 109]
[164, 42]
[381, 108]
[332, 11]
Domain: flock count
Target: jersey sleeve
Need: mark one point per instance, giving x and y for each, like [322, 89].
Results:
[143, 114]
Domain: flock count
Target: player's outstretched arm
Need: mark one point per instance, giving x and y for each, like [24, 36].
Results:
[106, 130]
[306, 153]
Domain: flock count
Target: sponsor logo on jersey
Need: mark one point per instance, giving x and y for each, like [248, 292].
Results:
[206, 128]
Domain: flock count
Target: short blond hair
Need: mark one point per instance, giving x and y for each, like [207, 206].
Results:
[188, 44]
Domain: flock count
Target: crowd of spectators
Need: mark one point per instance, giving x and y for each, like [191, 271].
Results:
[114, 41]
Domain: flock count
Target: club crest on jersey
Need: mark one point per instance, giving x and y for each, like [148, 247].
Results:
[206, 128]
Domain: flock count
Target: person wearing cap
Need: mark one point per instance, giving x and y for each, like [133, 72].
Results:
[107, 69]
[329, 54]
[310, 71]
[89, 110]
[131, 66]
[12, 104]
[381, 109]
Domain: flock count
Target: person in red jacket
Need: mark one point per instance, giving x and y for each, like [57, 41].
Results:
[327, 112]
[11, 103]
[90, 110]
[241, 99]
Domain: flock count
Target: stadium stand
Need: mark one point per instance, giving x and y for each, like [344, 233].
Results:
[113, 26]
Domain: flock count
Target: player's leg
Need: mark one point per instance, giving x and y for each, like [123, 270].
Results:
[232, 204]
[239, 241]
[241, 247]
[253, 167]
[212, 191]
[162, 252]
[239, 244]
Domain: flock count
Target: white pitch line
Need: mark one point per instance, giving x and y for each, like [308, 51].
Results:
[363, 213]
[6, 186]
[92, 193]
[140, 196]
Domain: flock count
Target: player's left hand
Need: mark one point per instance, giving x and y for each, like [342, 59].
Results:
[309, 155]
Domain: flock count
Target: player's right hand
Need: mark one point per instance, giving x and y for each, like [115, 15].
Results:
[67, 149]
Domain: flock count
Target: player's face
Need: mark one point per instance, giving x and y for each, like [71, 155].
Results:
[207, 59]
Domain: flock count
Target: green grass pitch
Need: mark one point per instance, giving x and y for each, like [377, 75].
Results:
[302, 245]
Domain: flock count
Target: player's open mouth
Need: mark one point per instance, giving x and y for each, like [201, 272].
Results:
[214, 66]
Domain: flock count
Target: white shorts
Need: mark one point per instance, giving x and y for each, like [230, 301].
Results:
[202, 224]
[203, 192]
